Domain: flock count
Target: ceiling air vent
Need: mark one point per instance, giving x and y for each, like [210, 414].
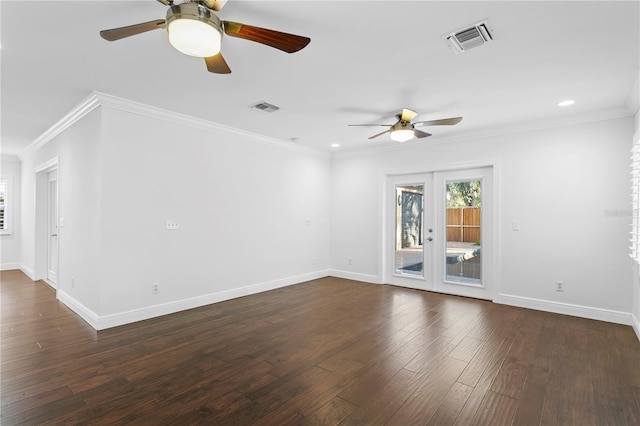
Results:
[471, 37]
[265, 107]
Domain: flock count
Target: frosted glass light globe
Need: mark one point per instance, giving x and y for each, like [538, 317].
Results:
[194, 38]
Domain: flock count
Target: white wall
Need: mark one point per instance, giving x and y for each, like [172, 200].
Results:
[568, 187]
[253, 214]
[10, 243]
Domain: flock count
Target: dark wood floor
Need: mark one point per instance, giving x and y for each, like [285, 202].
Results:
[329, 351]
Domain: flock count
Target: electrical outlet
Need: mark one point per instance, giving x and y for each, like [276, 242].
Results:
[73, 282]
[155, 288]
[559, 285]
[350, 261]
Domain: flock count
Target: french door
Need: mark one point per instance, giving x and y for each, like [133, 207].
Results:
[409, 236]
[438, 231]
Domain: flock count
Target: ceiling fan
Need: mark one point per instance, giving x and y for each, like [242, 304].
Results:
[195, 30]
[404, 129]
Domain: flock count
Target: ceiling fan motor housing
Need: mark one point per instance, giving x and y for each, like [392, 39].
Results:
[194, 11]
[402, 125]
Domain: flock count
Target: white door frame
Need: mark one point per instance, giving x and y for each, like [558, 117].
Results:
[492, 285]
[52, 221]
[42, 234]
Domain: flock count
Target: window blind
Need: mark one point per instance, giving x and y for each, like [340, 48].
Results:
[3, 203]
[634, 248]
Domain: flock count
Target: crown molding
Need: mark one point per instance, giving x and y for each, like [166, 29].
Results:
[76, 114]
[99, 99]
[10, 158]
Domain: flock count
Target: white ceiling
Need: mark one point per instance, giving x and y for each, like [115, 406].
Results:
[366, 61]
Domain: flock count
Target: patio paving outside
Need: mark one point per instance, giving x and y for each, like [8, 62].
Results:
[409, 261]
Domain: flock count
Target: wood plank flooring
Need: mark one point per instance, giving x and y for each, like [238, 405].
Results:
[326, 352]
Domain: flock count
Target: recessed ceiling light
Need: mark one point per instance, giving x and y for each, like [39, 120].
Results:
[335, 145]
[567, 102]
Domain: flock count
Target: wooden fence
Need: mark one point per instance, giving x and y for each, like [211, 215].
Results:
[463, 224]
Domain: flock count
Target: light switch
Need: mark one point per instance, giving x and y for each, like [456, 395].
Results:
[171, 225]
[515, 225]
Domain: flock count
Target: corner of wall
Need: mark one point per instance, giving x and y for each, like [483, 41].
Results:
[83, 312]
[355, 276]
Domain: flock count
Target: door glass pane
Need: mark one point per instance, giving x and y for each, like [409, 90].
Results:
[409, 255]
[464, 207]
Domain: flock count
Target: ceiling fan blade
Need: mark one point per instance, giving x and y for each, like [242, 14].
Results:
[407, 114]
[217, 64]
[166, 2]
[420, 134]
[122, 32]
[379, 134]
[369, 125]
[286, 42]
[216, 5]
[445, 121]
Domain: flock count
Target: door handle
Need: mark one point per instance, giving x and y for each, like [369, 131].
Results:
[54, 235]
[430, 239]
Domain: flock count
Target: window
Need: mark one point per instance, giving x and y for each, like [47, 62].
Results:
[5, 205]
[464, 204]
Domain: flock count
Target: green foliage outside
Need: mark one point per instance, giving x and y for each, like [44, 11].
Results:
[464, 194]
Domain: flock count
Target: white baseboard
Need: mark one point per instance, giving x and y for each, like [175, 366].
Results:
[9, 266]
[371, 279]
[28, 272]
[272, 285]
[147, 312]
[566, 309]
[83, 312]
[122, 318]
[50, 283]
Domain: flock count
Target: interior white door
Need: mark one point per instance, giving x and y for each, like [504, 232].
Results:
[52, 247]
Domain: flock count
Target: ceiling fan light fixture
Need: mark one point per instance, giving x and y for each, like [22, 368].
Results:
[193, 30]
[402, 131]
[401, 135]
